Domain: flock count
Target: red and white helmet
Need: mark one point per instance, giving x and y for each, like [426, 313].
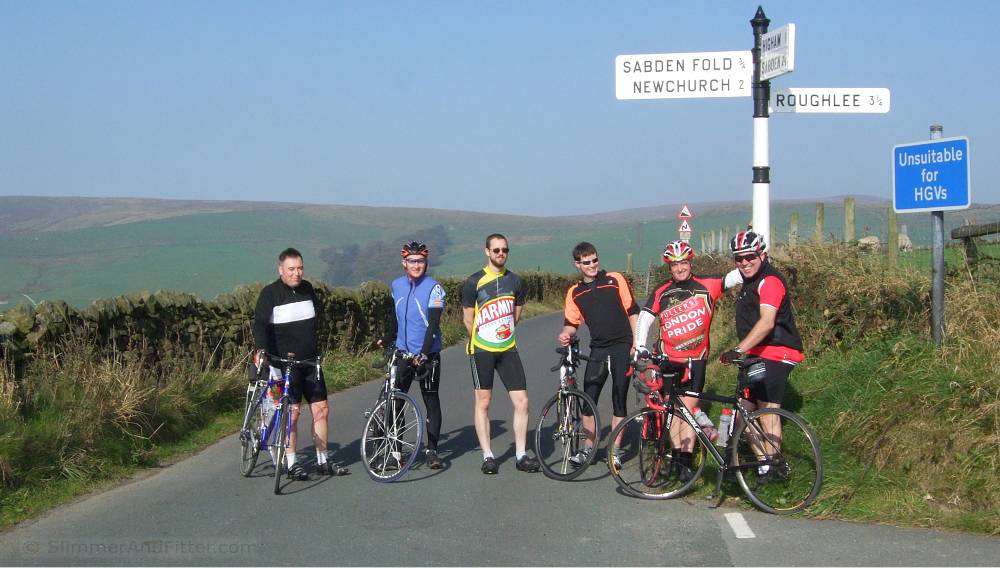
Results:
[747, 241]
[676, 251]
[414, 247]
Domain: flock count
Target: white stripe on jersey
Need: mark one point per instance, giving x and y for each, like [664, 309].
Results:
[296, 311]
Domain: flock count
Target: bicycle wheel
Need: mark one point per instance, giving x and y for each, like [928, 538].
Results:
[250, 437]
[560, 434]
[392, 438]
[643, 445]
[280, 444]
[793, 460]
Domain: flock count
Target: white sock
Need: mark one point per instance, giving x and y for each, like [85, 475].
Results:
[320, 457]
[290, 458]
[519, 455]
[487, 455]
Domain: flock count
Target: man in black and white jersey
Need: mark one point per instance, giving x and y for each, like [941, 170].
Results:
[284, 324]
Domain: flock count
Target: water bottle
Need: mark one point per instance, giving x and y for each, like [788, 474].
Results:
[725, 421]
[268, 406]
[706, 423]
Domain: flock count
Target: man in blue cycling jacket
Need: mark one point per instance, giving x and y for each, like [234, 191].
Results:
[415, 327]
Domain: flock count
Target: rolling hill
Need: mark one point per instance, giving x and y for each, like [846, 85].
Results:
[80, 249]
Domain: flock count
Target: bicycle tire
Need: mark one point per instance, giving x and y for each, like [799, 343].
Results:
[250, 438]
[280, 444]
[797, 461]
[389, 452]
[647, 466]
[559, 434]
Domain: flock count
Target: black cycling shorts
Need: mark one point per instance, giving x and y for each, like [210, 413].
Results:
[772, 387]
[613, 360]
[693, 377]
[506, 363]
[303, 383]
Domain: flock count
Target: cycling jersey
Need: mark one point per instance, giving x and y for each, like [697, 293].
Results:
[684, 310]
[768, 288]
[285, 320]
[414, 301]
[605, 304]
[493, 296]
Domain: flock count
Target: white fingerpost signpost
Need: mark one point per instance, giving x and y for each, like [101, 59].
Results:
[717, 74]
[933, 177]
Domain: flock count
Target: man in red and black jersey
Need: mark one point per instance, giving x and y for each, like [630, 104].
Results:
[604, 301]
[765, 327]
[683, 305]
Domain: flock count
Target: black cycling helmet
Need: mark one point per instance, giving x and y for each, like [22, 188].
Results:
[414, 247]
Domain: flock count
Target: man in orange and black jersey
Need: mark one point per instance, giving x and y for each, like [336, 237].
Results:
[684, 305]
[492, 299]
[604, 301]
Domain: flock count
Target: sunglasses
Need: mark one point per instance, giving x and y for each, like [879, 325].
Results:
[588, 262]
[504, 250]
[416, 261]
[745, 258]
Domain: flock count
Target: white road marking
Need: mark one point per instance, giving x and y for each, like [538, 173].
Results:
[739, 525]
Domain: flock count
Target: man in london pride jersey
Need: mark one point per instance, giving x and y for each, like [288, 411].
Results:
[683, 305]
[491, 307]
[284, 324]
[604, 301]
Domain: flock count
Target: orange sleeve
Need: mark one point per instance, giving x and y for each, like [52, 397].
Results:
[571, 312]
[625, 293]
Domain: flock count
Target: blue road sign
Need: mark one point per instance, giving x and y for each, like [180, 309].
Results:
[931, 175]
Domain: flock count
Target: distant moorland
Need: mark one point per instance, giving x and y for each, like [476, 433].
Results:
[80, 249]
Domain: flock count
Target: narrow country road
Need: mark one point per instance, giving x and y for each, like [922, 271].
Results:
[201, 511]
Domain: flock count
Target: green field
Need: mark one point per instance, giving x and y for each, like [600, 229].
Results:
[211, 253]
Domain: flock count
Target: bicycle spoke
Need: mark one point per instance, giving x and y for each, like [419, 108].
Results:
[782, 466]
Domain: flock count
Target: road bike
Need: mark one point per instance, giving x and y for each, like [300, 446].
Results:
[779, 469]
[267, 421]
[394, 427]
[562, 436]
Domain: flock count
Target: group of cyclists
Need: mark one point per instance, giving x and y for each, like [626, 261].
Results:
[492, 301]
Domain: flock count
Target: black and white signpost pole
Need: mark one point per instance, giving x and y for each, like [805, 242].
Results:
[761, 158]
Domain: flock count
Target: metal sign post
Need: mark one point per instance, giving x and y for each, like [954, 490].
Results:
[761, 158]
[933, 176]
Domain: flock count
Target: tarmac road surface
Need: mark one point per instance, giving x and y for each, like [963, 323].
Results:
[201, 511]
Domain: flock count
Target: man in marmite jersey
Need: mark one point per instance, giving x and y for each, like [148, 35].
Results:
[491, 300]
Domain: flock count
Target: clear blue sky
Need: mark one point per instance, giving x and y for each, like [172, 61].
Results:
[487, 106]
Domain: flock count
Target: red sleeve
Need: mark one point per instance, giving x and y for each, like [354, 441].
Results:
[713, 285]
[771, 291]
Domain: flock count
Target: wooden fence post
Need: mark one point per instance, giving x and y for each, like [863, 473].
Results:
[893, 239]
[820, 218]
[849, 234]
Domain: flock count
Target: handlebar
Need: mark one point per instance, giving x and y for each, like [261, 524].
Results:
[642, 363]
[570, 355]
[271, 357]
[389, 354]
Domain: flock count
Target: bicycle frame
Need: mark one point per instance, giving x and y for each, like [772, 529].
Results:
[674, 392]
[286, 378]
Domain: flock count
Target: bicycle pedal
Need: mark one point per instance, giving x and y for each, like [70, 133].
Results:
[367, 413]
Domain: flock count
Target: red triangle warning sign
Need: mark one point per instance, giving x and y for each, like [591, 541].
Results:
[685, 213]
[684, 227]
